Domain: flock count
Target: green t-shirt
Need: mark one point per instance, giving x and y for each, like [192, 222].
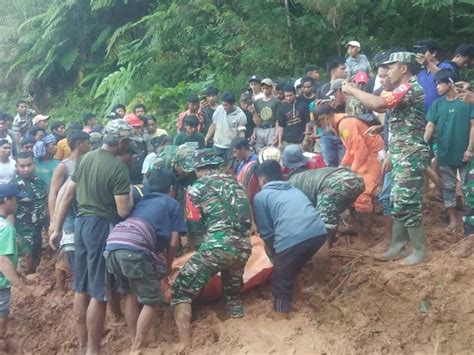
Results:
[44, 170]
[99, 177]
[183, 138]
[268, 110]
[7, 247]
[453, 120]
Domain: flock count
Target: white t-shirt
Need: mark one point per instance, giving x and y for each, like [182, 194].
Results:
[7, 171]
[228, 125]
[147, 163]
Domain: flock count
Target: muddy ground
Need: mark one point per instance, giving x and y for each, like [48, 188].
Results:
[369, 307]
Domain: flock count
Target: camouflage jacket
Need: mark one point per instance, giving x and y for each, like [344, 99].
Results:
[224, 209]
[31, 212]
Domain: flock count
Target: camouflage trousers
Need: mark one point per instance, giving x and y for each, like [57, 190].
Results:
[337, 193]
[202, 267]
[468, 217]
[30, 240]
[407, 185]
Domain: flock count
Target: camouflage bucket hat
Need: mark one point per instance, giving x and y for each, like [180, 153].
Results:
[184, 157]
[115, 131]
[401, 57]
[204, 157]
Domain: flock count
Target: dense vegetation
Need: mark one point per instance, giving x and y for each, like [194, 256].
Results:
[81, 55]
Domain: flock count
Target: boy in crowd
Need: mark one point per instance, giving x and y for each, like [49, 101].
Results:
[190, 133]
[30, 216]
[226, 247]
[9, 196]
[89, 121]
[455, 139]
[192, 104]
[292, 229]
[242, 153]
[27, 144]
[134, 253]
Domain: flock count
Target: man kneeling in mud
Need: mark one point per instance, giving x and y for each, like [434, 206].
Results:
[134, 253]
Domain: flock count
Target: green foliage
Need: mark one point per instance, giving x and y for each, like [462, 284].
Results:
[82, 55]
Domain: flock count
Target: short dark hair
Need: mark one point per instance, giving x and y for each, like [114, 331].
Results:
[310, 67]
[323, 109]
[24, 155]
[211, 90]
[20, 102]
[380, 58]
[306, 79]
[444, 75]
[430, 44]
[288, 88]
[240, 143]
[161, 180]
[34, 130]
[74, 126]
[229, 98]
[191, 121]
[4, 141]
[27, 140]
[137, 106]
[76, 137]
[270, 170]
[56, 125]
[148, 118]
[158, 141]
[465, 50]
[117, 106]
[193, 98]
[334, 63]
[3, 116]
[87, 117]
[280, 86]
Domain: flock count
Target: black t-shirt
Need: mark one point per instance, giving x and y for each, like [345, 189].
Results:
[306, 101]
[293, 119]
[136, 176]
[249, 127]
[207, 112]
[322, 94]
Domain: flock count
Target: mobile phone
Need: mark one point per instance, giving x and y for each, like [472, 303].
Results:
[203, 97]
[420, 49]
[329, 99]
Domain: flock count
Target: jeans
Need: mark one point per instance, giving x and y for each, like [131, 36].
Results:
[384, 197]
[332, 148]
[449, 180]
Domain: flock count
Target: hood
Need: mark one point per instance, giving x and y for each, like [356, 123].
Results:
[277, 185]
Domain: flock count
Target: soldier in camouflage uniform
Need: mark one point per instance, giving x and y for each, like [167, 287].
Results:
[30, 216]
[408, 153]
[226, 246]
[183, 167]
[331, 190]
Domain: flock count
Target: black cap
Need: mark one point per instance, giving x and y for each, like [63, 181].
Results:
[255, 78]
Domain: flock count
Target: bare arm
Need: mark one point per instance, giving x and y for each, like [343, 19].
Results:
[429, 131]
[172, 248]
[280, 135]
[124, 205]
[210, 132]
[7, 268]
[470, 147]
[64, 206]
[57, 182]
[372, 102]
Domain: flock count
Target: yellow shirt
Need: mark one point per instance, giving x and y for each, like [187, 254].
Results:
[63, 151]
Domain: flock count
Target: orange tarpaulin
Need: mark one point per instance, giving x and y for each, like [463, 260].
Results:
[257, 270]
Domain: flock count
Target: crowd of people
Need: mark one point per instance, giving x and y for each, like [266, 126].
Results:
[119, 202]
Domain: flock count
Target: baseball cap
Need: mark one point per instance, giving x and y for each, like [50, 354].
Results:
[133, 120]
[95, 137]
[254, 78]
[293, 156]
[353, 44]
[246, 96]
[335, 85]
[39, 118]
[10, 190]
[361, 77]
[116, 130]
[267, 81]
[297, 83]
[401, 57]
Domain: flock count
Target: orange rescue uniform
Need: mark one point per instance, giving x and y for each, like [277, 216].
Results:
[361, 156]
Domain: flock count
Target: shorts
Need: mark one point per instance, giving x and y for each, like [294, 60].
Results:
[134, 271]
[5, 301]
[89, 263]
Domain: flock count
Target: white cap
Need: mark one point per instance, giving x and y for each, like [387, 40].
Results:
[297, 83]
[353, 44]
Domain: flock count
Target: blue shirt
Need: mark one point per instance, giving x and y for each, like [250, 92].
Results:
[164, 214]
[427, 80]
[285, 216]
[240, 166]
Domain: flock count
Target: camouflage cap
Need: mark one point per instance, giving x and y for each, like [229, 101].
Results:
[204, 157]
[116, 130]
[401, 57]
[95, 137]
[185, 157]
